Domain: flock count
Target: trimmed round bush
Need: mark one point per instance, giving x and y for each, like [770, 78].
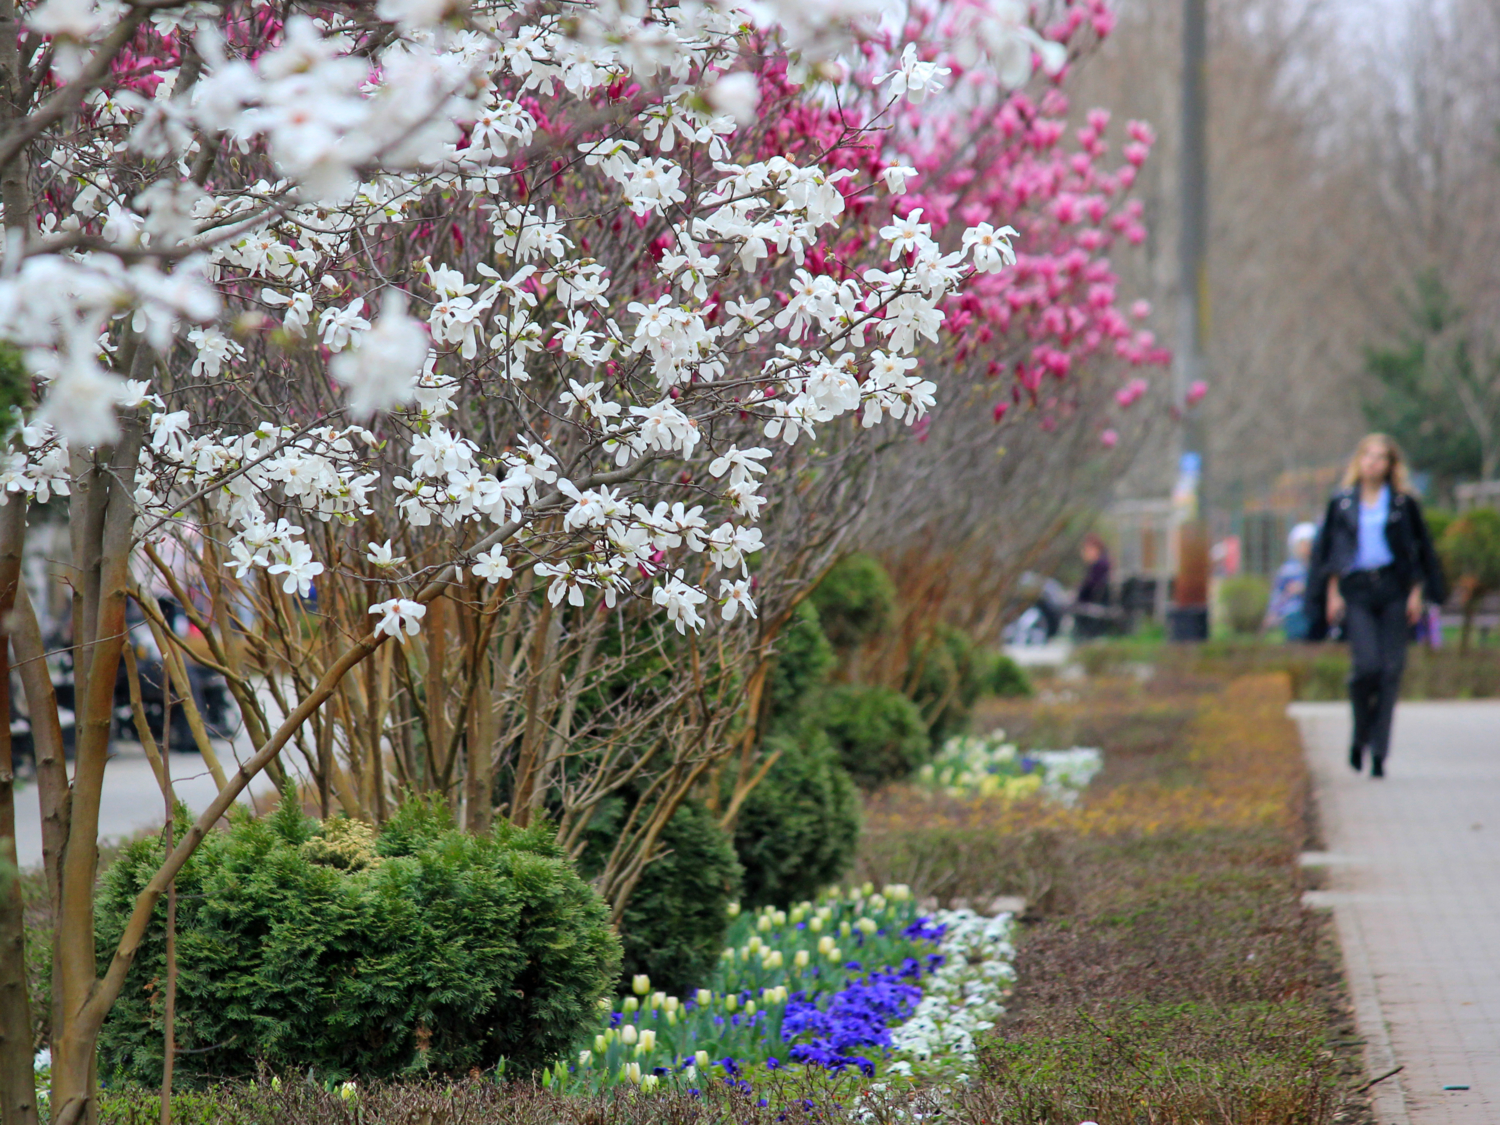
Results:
[856, 601]
[324, 947]
[803, 660]
[797, 831]
[1002, 676]
[879, 733]
[674, 923]
[1244, 599]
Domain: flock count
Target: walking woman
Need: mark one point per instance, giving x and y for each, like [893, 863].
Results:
[1374, 562]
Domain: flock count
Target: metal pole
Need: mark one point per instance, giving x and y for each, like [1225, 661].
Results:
[1192, 247]
[1188, 619]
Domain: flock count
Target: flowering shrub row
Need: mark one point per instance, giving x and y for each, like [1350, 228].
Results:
[989, 766]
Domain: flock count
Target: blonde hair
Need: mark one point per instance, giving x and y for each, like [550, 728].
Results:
[1396, 476]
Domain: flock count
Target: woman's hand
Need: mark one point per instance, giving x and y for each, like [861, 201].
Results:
[1414, 605]
[1335, 603]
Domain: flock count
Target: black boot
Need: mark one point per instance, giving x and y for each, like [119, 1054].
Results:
[1357, 757]
[1377, 766]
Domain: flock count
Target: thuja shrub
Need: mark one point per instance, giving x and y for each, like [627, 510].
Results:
[673, 926]
[804, 658]
[856, 601]
[797, 831]
[879, 734]
[327, 948]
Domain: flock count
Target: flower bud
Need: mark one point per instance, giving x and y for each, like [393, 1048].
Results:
[779, 917]
[867, 925]
[731, 1002]
[658, 999]
[601, 1043]
[628, 1034]
[348, 1091]
[749, 1007]
[701, 1058]
[610, 1035]
[630, 1005]
[705, 997]
[845, 929]
[672, 1017]
[764, 924]
[585, 1057]
[632, 1072]
[834, 954]
[801, 959]
[756, 945]
[641, 984]
[647, 1043]
[815, 923]
[605, 1003]
[867, 890]
[671, 1003]
[734, 910]
[825, 944]
[649, 1081]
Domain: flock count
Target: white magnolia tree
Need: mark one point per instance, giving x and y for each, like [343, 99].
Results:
[476, 328]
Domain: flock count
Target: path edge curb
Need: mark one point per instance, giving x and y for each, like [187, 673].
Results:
[1388, 1097]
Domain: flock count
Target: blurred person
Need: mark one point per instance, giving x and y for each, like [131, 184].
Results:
[1372, 564]
[1288, 606]
[1090, 604]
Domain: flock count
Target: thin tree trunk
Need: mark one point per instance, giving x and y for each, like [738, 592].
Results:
[169, 1012]
[17, 1078]
[73, 1041]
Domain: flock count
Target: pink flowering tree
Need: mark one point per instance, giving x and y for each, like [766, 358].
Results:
[448, 364]
[1045, 368]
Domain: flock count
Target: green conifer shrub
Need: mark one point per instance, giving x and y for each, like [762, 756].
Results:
[303, 948]
[797, 831]
[674, 923]
[879, 734]
[855, 601]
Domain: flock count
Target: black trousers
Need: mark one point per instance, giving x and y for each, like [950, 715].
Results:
[1376, 628]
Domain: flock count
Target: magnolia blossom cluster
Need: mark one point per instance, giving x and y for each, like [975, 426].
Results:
[236, 226]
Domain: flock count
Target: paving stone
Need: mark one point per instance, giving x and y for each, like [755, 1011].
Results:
[1417, 901]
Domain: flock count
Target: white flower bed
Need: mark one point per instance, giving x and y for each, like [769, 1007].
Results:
[987, 765]
[963, 998]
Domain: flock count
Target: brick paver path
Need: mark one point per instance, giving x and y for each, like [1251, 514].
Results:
[1413, 876]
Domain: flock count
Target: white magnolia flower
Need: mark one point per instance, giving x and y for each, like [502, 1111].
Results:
[895, 178]
[399, 618]
[992, 248]
[914, 78]
[736, 595]
[379, 554]
[491, 565]
[336, 327]
[735, 95]
[298, 566]
[381, 371]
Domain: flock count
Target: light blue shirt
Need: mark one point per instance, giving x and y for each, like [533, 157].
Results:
[1374, 552]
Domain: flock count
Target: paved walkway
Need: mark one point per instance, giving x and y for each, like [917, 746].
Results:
[1414, 881]
[132, 800]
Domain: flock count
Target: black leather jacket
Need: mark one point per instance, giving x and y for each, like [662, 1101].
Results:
[1405, 533]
